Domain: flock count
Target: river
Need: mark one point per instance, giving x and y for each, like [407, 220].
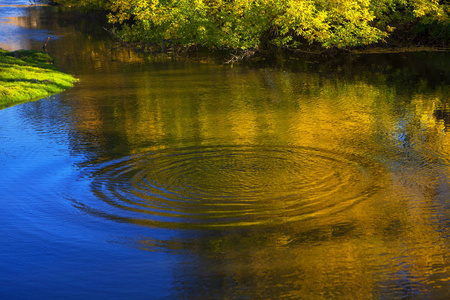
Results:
[170, 178]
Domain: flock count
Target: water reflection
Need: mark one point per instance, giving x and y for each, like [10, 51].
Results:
[166, 138]
[322, 179]
[216, 187]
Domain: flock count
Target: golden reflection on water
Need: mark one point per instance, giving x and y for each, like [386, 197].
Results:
[239, 115]
[222, 186]
[391, 243]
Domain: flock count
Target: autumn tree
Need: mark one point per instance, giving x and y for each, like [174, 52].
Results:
[246, 24]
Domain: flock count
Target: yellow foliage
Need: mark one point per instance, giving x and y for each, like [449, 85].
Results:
[249, 23]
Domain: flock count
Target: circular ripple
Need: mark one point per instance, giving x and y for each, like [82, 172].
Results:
[229, 186]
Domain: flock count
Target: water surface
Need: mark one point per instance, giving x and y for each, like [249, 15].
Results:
[309, 178]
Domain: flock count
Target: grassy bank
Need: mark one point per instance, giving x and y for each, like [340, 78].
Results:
[28, 75]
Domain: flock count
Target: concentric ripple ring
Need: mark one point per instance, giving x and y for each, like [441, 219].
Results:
[209, 187]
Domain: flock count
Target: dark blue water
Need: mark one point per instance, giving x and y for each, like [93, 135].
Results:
[167, 178]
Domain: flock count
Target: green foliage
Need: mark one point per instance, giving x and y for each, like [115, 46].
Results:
[27, 75]
[244, 24]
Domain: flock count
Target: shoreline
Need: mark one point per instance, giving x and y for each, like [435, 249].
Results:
[29, 75]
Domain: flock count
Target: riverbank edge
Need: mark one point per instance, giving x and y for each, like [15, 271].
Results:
[404, 39]
[29, 75]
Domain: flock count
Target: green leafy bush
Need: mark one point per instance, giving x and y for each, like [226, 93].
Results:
[245, 24]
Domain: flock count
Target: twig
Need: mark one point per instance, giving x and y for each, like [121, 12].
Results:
[45, 44]
[241, 56]
[117, 37]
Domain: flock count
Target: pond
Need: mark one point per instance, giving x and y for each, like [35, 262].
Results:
[153, 178]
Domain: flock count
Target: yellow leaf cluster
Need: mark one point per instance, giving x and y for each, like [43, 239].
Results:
[251, 23]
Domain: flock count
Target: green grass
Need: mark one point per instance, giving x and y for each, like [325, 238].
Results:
[28, 75]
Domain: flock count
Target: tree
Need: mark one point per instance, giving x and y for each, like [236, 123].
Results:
[246, 24]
